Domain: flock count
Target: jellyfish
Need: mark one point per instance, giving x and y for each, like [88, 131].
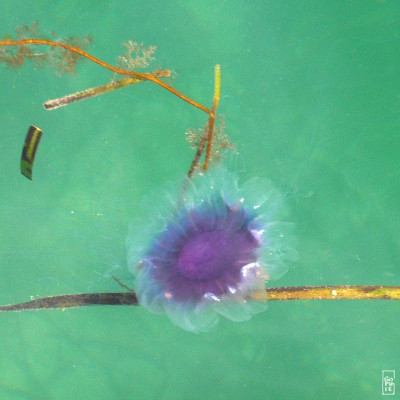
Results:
[206, 253]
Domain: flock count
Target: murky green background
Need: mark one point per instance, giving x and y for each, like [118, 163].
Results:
[311, 97]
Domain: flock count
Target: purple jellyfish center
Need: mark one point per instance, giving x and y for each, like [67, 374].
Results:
[205, 250]
[208, 255]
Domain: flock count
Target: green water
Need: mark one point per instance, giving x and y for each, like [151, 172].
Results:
[311, 97]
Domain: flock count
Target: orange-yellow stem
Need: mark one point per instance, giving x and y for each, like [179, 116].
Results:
[344, 292]
[82, 53]
[213, 116]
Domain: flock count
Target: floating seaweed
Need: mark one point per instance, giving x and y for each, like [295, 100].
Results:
[222, 145]
[57, 58]
[136, 55]
[68, 52]
[92, 92]
[31, 144]
[344, 292]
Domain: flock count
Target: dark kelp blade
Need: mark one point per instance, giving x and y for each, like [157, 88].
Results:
[29, 150]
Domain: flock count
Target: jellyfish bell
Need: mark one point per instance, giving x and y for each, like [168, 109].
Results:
[216, 246]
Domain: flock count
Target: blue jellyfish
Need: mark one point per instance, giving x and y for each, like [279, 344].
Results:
[211, 250]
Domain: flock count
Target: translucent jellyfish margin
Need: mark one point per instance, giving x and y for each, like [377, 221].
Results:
[276, 238]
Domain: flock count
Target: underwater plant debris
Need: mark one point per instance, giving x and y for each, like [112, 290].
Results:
[136, 55]
[221, 141]
[59, 59]
[31, 144]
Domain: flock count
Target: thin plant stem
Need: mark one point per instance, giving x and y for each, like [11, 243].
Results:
[75, 300]
[359, 292]
[197, 156]
[345, 292]
[96, 91]
[122, 284]
[213, 116]
[142, 75]
[193, 166]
